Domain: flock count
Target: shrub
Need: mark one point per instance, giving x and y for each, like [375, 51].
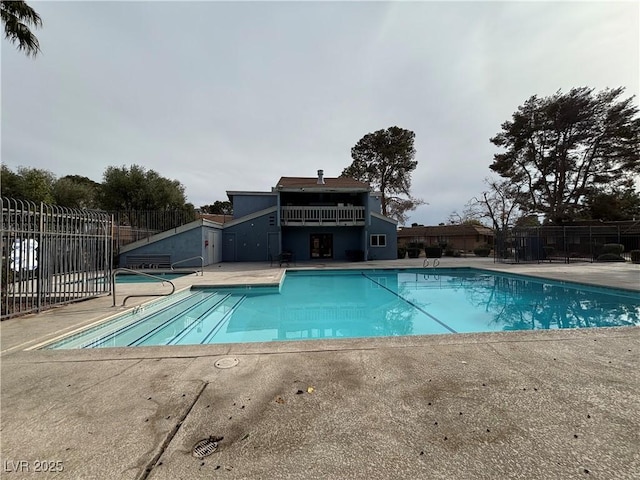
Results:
[433, 251]
[413, 252]
[548, 251]
[482, 250]
[402, 252]
[635, 256]
[610, 257]
[614, 248]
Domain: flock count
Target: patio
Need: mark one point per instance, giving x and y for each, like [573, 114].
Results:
[534, 404]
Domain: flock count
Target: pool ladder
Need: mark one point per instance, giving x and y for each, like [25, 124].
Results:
[425, 264]
[136, 272]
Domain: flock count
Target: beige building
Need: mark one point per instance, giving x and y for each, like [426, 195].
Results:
[457, 237]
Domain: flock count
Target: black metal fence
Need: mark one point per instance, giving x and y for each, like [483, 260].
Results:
[133, 225]
[52, 255]
[564, 244]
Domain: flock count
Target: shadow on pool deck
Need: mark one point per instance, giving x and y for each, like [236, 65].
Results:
[536, 404]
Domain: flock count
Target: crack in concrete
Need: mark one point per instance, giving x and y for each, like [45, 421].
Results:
[170, 436]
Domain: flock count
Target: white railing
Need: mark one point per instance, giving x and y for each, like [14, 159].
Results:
[338, 215]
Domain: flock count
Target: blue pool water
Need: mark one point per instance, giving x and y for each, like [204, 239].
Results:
[132, 278]
[367, 303]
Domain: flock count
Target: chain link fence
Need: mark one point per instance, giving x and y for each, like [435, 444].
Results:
[133, 225]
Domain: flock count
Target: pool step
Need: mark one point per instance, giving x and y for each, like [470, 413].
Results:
[202, 331]
[97, 336]
[177, 322]
[131, 327]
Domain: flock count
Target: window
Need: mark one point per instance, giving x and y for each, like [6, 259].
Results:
[379, 240]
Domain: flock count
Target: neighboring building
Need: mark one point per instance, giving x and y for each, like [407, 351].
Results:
[457, 237]
[312, 218]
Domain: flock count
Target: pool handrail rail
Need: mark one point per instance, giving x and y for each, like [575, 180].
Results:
[136, 272]
[425, 263]
[192, 258]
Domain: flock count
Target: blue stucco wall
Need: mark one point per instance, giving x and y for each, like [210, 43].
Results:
[375, 204]
[180, 246]
[297, 240]
[248, 241]
[248, 204]
[390, 252]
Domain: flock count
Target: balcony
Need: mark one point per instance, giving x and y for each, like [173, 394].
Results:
[327, 216]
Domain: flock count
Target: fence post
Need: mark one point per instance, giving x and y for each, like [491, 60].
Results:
[40, 265]
[109, 252]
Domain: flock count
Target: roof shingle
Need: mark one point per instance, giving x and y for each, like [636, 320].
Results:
[312, 182]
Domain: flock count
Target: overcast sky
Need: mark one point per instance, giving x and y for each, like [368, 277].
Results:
[233, 95]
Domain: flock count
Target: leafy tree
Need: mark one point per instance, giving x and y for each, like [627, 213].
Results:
[143, 199]
[32, 184]
[75, 191]
[623, 204]
[527, 221]
[473, 222]
[219, 207]
[17, 17]
[120, 187]
[385, 160]
[563, 147]
[136, 188]
[10, 183]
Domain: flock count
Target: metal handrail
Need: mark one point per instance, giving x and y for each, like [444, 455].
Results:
[191, 258]
[122, 269]
[425, 264]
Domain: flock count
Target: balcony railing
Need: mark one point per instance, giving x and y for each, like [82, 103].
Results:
[338, 215]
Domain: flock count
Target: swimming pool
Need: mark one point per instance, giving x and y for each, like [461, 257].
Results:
[133, 278]
[364, 303]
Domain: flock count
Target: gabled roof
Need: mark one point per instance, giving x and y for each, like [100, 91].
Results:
[444, 230]
[338, 183]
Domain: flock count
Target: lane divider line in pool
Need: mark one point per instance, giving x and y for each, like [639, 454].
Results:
[189, 328]
[417, 307]
[225, 318]
[176, 317]
[161, 312]
[105, 337]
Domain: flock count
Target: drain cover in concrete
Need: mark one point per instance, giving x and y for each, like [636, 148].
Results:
[205, 447]
[227, 362]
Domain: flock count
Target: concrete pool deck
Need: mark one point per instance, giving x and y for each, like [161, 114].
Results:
[534, 404]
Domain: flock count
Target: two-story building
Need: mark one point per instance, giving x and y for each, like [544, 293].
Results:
[311, 218]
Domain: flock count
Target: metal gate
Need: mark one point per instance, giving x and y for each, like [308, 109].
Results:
[52, 255]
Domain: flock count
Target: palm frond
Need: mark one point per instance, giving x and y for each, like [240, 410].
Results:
[17, 17]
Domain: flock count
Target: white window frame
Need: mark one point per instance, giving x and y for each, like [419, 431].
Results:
[378, 237]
